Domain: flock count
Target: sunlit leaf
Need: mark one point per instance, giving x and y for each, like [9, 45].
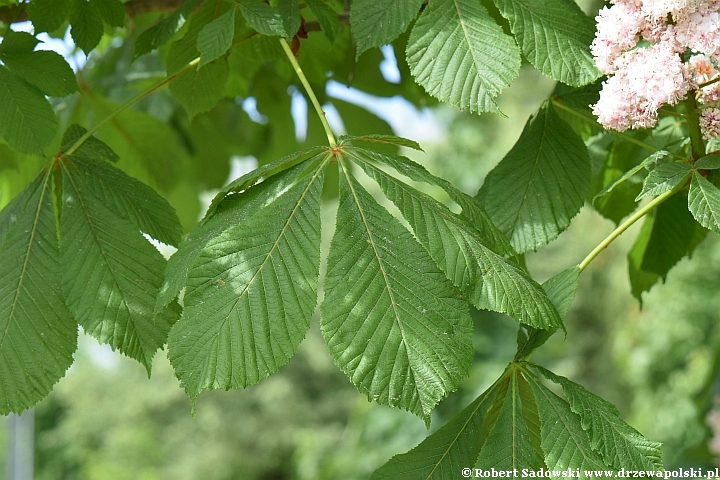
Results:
[379, 22]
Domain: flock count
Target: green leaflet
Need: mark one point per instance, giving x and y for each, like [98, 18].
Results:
[392, 321]
[199, 89]
[251, 293]
[472, 211]
[444, 453]
[27, 121]
[387, 139]
[216, 37]
[648, 164]
[710, 162]
[563, 439]
[111, 274]
[112, 12]
[508, 444]
[160, 33]
[91, 149]
[555, 36]
[640, 280]
[540, 185]
[228, 211]
[664, 178]
[619, 444]
[48, 15]
[86, 24]
[37, 332]
[379, 22]
[460, 55]
[262, 17]
[290, 12]
[44, 70]
[488, 280]
[326, 17]
[131, 199]
[704, 202]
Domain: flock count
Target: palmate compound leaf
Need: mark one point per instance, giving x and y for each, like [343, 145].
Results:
[534, 192]
[111, 273]
[620, 445]
[564, 442]
[555, 36]
[488, 280]
[391, 320]
[460, 55]
[379, 22]
[251, 292]
[37, 332]
[443, 454]
[228, 208]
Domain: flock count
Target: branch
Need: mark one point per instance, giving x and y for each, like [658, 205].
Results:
[133, 8]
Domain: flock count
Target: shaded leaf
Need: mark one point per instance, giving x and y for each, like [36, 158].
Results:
[444, 453]
[391, 320]
[92, 148]
[27, 121]
[640, 280]
[620, 445]
[710, 162]
[262, 17]
[251, 294]
[111, 273]
[555, 36]
[460, 55]
[86, 24]
[18, 43]
[378, 22]
[48, 15]
[561, 289]
[46, 71]
[112, 12]
[290, 12]
[326, 17]
[215, 38]
[160, 33]
[37, 333]
[534, 192]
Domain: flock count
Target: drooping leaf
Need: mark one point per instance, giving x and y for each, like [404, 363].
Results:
[18, 43]
[391, 320]
[27, 121]
[290, 12]
[111, 273]
[262, 17]
[460, 55]
[164, 30]
[47, 71]
[640, 280]
[375, 23]
[326, 17]
[555, 36]
[86, 24]
[112, 12]
[472, 211]
[389, 139]
[563, 439]
[664, 178]
[488, 280]
[620, 445]
[648, 163]
[446, 452]
[675, 234]
[37, 333]
[131, 199]
[710, 162]
[215, 38]
[508, 446]
[48, 15]
[228, 211]
[534, 192]
[199, 89]
[704, 202]
[251, 293]
[92, 148]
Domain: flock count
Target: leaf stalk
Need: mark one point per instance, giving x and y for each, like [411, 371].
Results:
[310, 92]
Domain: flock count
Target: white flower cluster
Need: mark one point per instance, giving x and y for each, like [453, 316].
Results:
[640, 44]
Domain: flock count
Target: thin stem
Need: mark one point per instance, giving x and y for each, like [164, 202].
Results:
[627, 223]
[693, 123]
[671, 113]
[127, 104]
[309, 90]
[709, 82]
